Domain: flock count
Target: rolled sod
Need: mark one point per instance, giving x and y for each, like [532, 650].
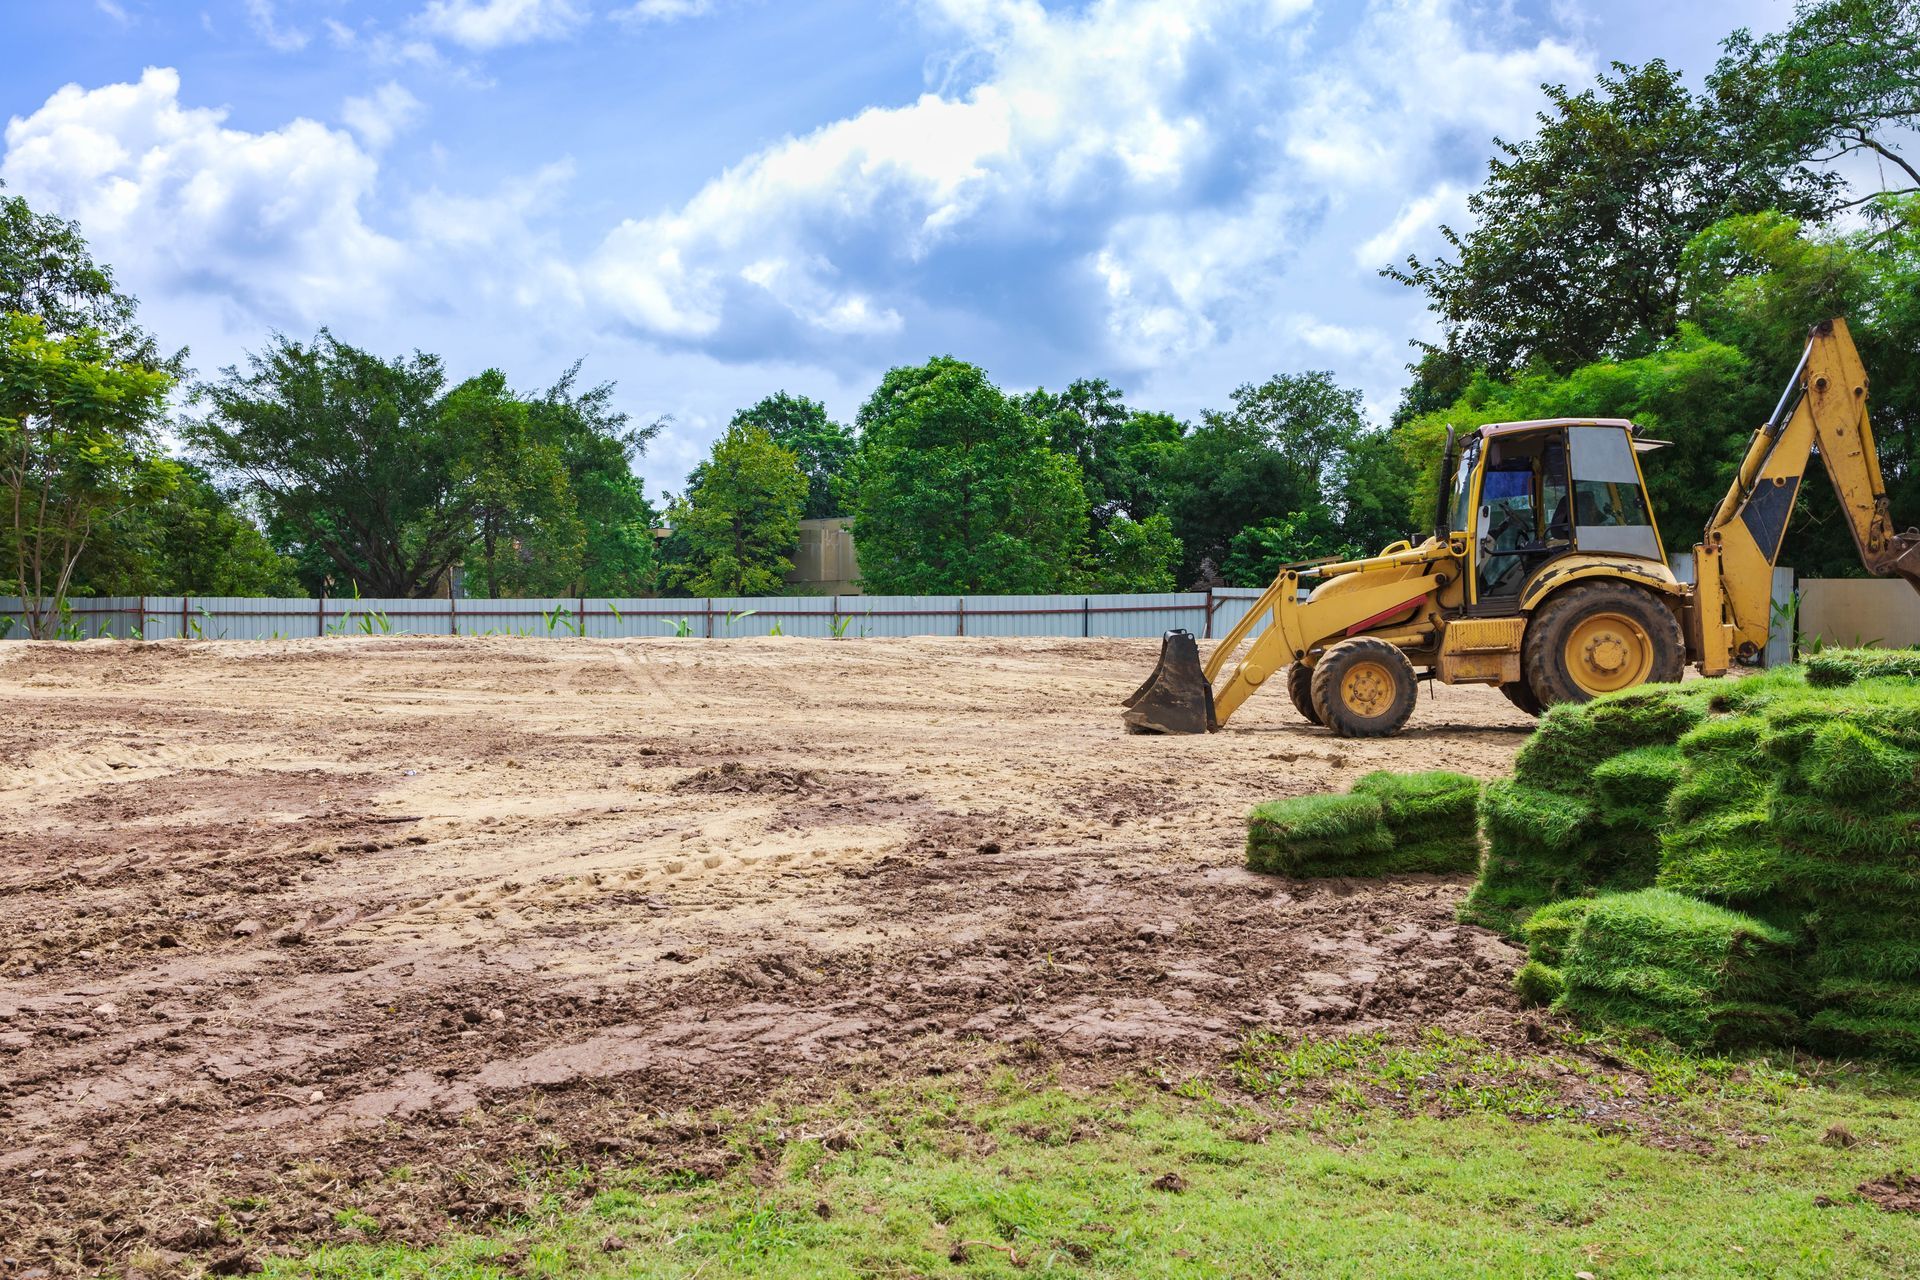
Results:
[1536, 852]
[1695, 973]
[1549, 931]
[1538, 984]
[1389, 823]
[1573, 739]
[1836, 667]
[1318, 835]
[1430, 816]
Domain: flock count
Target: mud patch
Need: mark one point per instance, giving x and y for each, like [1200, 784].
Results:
[734, 776]
[1898, 1192]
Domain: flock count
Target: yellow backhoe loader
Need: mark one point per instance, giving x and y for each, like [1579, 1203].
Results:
[1545, 574]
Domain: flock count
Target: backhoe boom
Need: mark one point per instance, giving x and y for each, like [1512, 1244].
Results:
[1824, 408]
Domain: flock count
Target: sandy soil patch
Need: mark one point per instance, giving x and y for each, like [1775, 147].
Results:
[273, 908]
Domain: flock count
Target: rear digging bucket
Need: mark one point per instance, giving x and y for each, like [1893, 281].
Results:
[1177, 697]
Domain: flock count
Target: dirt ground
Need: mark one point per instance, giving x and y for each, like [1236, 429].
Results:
[278, 919]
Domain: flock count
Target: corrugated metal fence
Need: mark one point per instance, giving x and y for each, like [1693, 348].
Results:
[1204, 613]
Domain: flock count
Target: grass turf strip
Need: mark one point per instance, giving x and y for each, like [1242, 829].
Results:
[1237, 1177]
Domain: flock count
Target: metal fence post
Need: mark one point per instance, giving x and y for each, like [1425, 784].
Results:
[1206, 632]
[961, 614]
[183, 616]
[140, 624]
[320, 615]
[453, 610]
[1086, 616]
[709, 617]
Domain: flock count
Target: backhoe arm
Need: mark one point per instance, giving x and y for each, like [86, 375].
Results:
[1824, 407]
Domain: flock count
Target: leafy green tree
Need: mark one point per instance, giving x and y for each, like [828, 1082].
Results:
[1256, 553]
[741, 522]
[1843, 79]
[351, 455]
[1575, 249]
[77, 446]
[191, 541]
[1088, 423]
[597, 444]
[522, 504]
[1276, 455]
[47, 271]
[823, 446]
[957, 490]
[1134, 555]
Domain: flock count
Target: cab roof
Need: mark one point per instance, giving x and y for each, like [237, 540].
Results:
[1640, 443]
[1502, 428]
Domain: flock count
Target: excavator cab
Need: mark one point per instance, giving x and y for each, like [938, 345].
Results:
[1527, 494]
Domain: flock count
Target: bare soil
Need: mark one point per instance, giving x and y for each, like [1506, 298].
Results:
[286, 926]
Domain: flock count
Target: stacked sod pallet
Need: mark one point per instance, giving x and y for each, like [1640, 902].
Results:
[1785, 806]
[1844, 759]
[1584, 808]
[1696, 973]
[1389, 823]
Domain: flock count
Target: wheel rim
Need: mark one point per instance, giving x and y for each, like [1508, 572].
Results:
[1606, 652]
[1366, 689]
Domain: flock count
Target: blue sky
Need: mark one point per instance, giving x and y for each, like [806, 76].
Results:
[709, 200]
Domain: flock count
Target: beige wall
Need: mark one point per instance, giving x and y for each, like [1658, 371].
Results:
[824, 560]
[1848, 611]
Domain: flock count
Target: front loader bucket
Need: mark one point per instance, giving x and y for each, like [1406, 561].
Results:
[1177, 697]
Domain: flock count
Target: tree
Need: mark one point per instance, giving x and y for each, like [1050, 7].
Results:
[1575, 250]
[350, 454]
[522, 504]
[1134, 555]
[597, 446]
[741, 522]
[191, 541]
[823, 446]
[77, 446]
[1274, 456]
[1843, 79]
[957, 490]
[1088, 423]
[47, 271]
[1256, 553]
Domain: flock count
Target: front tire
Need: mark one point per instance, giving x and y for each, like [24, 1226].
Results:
[1598, 638]
[1364, 688]
[1300, 690]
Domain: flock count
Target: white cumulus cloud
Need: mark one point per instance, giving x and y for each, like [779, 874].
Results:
[269, 221]
[483, 25]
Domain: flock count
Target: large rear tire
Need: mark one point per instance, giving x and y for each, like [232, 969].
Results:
[1300, 690]
[1364, 688]
[1601, 637]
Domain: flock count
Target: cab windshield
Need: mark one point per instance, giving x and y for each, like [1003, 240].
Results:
[1461, 516]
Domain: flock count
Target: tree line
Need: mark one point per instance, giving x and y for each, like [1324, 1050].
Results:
[1650, 251]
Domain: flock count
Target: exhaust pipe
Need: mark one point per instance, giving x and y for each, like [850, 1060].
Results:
[1177, 697]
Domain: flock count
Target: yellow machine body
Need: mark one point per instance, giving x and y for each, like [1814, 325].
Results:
[1546, 575]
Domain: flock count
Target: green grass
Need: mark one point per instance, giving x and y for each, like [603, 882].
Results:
[1355, 1157]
